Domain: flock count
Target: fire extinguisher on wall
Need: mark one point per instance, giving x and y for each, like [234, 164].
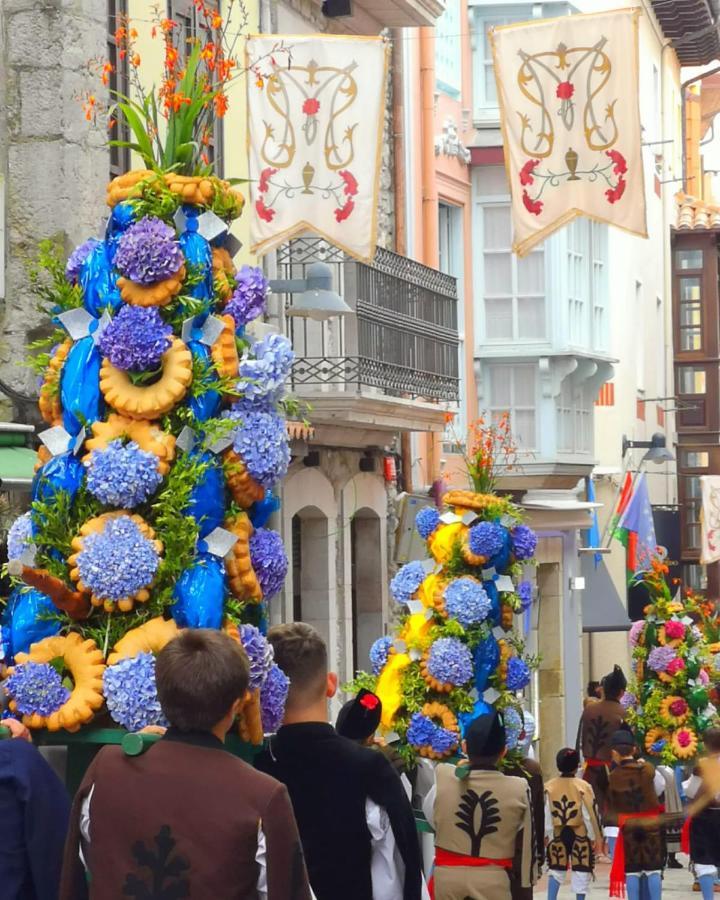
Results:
[389, 469]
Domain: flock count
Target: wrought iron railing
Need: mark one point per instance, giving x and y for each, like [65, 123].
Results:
[402, 340]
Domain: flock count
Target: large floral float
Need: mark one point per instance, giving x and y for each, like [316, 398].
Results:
[454, 652]
[166, 431]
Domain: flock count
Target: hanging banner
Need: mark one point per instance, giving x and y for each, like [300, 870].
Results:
[315, 125]
[570, 117]
[710, 519]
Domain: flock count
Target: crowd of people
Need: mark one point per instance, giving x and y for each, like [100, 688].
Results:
[327, 812]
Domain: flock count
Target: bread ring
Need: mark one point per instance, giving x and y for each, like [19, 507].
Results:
[433, 683]
[223, 273]
[150, 637]
[241, 576]
[158, 294]
[465, 500]
[43, 456]
[49, 398]
[250, 719]
[243, 487]
[84, 661]
[126, 186]
[431, 594]
[95, 526]
[146, 435]
[447, 720]
[224, 351]
[153, 400]
[198, 190]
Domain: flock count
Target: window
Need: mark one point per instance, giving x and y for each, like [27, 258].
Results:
[485, 91]
[448, 49]
[695, 577]
[119, 81]
[640, 345]
[691, 380]
[452, 261]
[513, 390]
[689, 259]
[694, 459]
[690, 313]
[577, 243]
[692, 505]
[599, 284]
[574, 420]
[660, 361]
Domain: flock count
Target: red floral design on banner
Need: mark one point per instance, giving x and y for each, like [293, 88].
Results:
[344, 212]
[614, 194]
[532, 206]
[351, 185]
[311, 106]
[565, 90]
[264, 180]
[620, 166]
[526, 173]
[263, 211]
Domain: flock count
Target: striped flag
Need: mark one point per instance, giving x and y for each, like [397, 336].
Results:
[636, 530]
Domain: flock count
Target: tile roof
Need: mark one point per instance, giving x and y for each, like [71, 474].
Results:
[696, 215]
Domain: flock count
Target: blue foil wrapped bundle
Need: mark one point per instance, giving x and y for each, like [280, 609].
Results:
[82, 402]
[486, 657]
[99, 282]
[207, 500]
[61, 473]
[198, 254]
[481, 708]
[494, 597]
[25, 621]
[206, 405]
[261, 511]
[121, 217]
[199, 594]
[501, 560]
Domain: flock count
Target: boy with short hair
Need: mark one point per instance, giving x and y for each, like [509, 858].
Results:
[185, 818]
[338, 788]
[704, 827]
[572, 831]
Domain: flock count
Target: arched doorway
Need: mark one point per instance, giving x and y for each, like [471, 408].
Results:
[367, 566]
[310, 570]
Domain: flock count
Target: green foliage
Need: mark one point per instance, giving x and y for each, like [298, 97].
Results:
[414, 688]
[183, 307]
[362, 681]
[155, 199]
[41, 353]
[460, 700]
[46, 276]
[59, 521]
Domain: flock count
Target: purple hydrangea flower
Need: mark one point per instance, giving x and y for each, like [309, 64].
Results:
[249, 296]
[262, 442]
[118, 561]
[660, 658]
[518, 674]
[259, 652]
[36, 688]
[525, 593]
[426, 521]
[77, 258]
[486, 539]
[136, 339]
[407, 581]
[450, 662]
[628, 700]
[423, 732]
[148, 251]
[131, 693]
[269, 560]
[467, 601]
[273, 695]
[266, 368]
[122, 475]
[636, 630]
[379, 653]
[524, 542]
[19, 536]
[513, 727]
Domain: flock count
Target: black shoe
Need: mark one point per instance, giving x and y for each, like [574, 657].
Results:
[673, 863]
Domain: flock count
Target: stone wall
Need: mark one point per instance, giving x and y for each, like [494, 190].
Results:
[54, 165]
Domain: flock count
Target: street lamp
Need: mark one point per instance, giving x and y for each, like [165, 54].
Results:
[317, 299]
[657, 452]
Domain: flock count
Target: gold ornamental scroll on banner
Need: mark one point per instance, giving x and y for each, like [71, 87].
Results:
[315, 128]
[570, 117]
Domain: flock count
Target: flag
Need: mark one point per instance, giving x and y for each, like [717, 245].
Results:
[623, 500]
[316, 116]
[570, 118]
[594, 531]
[636, 529]
[710, 516]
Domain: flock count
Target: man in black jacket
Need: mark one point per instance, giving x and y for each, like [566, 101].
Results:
[341, 793]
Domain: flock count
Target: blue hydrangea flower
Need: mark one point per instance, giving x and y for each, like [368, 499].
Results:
[450, 662]
[262, 442]
[36, 688]
[269, 560]
[136, 339]
[266, 368]
[273, 695]
[117, 562]
[407, 581]
[19, 536]
[628, 700]
[148, 251]
[122, 475]
[524, 542]
[525, 593]
[259, 652]
[131, 693]
[518, 674]
[379, 653]
[426, 521]
[486, 539]
[77, 258]
[249, 297]
[467, 601]
[423, 732]
[513, 727]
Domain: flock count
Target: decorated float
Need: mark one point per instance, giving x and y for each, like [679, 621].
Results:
[454, 652]
[670, 699]
[166, 433]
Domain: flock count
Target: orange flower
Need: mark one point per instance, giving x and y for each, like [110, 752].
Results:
[133, 34]
[135, 61]
[259, 82]
[217, 21]
[449, 417]
[167, 25]
[221, 105]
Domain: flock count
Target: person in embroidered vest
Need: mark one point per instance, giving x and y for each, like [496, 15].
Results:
[186, 818]
[34, 810]
[701, 836]
[633, 805]
[573, 833]
[479, 815]
[341, 792]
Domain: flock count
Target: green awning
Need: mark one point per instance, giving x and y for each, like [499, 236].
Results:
[17, 465]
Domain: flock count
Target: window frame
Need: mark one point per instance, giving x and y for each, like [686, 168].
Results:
[119, 158]
[448, 65]
[451, 246]
[497, 410]
[679, 380]
[484, 111]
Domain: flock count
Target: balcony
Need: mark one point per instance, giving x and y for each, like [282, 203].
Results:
[393, 365]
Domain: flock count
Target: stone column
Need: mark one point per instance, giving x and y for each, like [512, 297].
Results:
[550, 647]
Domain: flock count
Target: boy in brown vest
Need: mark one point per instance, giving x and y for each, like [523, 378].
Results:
[479, 815]
[185, 818]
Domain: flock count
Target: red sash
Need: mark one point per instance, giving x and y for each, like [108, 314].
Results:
[617, 871]
[685, 836]
[448, 858]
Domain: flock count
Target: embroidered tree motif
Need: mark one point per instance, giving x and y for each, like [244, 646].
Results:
[564, 810]
[477, 816]
[164, 868]
[596, 734]
[582, 855]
